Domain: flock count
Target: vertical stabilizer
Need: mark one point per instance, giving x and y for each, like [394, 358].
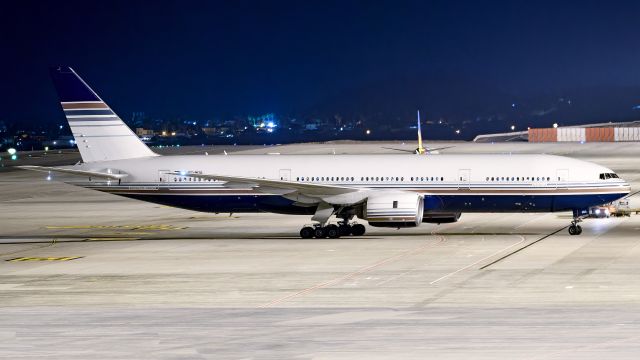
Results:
[99, 133]
[420, 150]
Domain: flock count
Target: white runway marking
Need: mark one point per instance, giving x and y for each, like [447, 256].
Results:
[479, 261]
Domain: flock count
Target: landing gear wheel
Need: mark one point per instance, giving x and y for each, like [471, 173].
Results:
[573, 230]
[345, 230]
[320, 232]
[306, 232]
[579, 228]
[358, 230]
[332, 231]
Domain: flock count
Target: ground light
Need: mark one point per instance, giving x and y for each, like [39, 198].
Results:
[13, 152]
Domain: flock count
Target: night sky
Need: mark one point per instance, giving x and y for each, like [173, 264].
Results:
[454, 59]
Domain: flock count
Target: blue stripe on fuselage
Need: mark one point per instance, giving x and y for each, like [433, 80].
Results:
[432, 203]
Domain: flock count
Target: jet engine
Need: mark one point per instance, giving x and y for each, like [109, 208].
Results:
[436, 218]
[394, 209]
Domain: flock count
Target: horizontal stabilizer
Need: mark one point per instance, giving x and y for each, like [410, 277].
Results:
[95, 174]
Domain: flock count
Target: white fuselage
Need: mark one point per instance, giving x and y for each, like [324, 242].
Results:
[445, 176]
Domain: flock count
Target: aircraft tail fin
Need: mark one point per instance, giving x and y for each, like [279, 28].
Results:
[421, 150]
[99, 133]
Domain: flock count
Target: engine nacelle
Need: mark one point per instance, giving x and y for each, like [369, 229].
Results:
[394, 209]
[440, 218]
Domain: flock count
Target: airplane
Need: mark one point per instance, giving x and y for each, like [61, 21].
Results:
[420, 150]
[384, 190]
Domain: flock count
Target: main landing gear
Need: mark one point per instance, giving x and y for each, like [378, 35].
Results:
[322, 229]
[332, 231]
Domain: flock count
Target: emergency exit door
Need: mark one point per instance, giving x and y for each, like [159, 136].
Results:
[464, 179]
[562, 177]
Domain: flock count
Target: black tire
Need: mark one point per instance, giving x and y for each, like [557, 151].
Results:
[306, 232]
[358, 230]
[573, 230]
[579, 229]
[345, 230]
[332, 231]
[320, 233]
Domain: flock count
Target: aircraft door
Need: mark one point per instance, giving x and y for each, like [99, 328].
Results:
[562, 177]
[464, 178]
[285, 174]
[164, 176]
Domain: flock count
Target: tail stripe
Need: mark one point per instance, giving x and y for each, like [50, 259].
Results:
[80, 105]
[89, 112]
[91, 116]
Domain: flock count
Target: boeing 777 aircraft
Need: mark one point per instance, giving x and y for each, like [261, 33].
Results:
[385, 190]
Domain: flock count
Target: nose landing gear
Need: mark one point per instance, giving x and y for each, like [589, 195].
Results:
[574, 228]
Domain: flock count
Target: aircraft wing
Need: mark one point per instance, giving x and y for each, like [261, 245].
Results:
[95, 174]
[403, 150]
[414, 151]
[300, 192]
[440, 148]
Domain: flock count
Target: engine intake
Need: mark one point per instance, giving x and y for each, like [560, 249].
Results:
[394, 209]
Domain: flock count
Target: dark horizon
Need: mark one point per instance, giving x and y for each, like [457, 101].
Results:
[471, 63]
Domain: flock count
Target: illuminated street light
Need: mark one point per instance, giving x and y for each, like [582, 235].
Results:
[555, 125]
[513, 127]
[368, 131]
[11, 151]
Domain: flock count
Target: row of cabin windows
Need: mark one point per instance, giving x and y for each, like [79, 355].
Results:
[609, 176]
[176, 179]
[422, 178]
[517, 178]
[367, 178]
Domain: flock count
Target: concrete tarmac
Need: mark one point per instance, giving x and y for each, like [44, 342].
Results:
[91, 275]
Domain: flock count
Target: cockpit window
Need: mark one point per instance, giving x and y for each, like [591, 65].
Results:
[609, 176]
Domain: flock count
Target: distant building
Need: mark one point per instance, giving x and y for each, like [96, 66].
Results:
[209, 131]
[144, 132]
[267, 122]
